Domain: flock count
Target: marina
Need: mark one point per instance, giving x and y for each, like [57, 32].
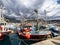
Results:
[28, 23]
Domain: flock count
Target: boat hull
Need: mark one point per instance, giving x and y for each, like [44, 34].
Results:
[3, 35]
[35, 38]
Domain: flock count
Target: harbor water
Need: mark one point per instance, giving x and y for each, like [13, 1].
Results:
[13, 39]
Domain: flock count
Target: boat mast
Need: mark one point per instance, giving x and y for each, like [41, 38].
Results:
[45, 17]
[1, 15]
[36, 13]
[22, 19]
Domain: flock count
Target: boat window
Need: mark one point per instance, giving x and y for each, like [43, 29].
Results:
[2, 23]
[26, 26]
[42, 27]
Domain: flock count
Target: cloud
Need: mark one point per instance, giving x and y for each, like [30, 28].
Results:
[52, 9]
[15, 7]
[24, 6]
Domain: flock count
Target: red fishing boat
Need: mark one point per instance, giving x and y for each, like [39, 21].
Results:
[4, 32]
[3, 29]
[26, 33]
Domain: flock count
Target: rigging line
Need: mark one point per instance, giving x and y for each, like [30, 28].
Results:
[21, 40]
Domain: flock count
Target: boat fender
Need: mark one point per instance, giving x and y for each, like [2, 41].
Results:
[0, 34]
[27, 36]
[11, 31]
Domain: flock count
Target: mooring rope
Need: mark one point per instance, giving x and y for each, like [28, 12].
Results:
[21, 40]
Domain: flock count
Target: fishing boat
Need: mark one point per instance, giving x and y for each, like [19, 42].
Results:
[28, 34]
[4, 32]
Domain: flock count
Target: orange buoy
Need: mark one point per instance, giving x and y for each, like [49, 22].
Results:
[11, 31]
[27, 36]
[0, 34]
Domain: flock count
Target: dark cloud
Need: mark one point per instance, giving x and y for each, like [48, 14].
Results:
[13, 5]
[16, 6]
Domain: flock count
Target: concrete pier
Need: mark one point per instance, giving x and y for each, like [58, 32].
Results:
[53, 41]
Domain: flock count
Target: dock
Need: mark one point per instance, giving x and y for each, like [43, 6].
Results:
[53, 41]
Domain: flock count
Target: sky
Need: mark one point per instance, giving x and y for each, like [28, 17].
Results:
[18, 9]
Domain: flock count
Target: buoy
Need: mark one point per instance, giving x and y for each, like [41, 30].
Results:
[27, 36]
[0, 34]
[11, 31]
[48, 36]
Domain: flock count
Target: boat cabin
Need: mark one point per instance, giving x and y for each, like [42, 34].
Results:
[26, 27]
[2, 27]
